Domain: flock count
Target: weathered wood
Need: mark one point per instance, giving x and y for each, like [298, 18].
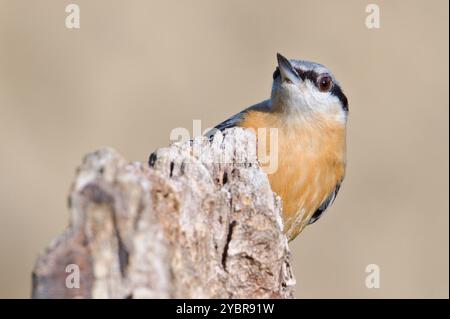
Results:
[202, 222]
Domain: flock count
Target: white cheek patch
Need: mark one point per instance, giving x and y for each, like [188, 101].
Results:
[307, 98]
[313, 97]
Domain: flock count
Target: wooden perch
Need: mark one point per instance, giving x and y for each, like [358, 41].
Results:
[194, 225]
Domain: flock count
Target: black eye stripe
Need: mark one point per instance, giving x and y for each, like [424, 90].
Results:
[308, 75]
[335, 90]
[312, 76]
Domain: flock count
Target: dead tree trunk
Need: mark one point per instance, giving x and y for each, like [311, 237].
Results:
[201, 222]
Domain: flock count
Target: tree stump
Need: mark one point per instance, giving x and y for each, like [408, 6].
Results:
[200, 221]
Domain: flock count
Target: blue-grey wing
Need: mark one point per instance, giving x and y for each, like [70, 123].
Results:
[326, 203]
[237, 118]
[231, 122]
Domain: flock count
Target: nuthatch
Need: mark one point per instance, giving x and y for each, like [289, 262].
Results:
[309, 110]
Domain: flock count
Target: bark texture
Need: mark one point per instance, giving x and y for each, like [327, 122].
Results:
[200, 222]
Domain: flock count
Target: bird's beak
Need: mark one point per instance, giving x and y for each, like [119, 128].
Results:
[287, 71]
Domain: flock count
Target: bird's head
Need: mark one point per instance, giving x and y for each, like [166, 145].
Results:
[307, 89]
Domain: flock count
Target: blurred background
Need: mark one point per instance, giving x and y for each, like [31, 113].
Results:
[137, 69]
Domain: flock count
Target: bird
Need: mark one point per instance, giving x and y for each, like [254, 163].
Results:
[309, 109]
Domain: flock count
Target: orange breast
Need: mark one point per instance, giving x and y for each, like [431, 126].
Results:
[311, 161]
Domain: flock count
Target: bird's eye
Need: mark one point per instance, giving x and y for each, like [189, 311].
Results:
[324, 83]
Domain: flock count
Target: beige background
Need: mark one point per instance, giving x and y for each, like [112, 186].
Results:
[137, 69]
